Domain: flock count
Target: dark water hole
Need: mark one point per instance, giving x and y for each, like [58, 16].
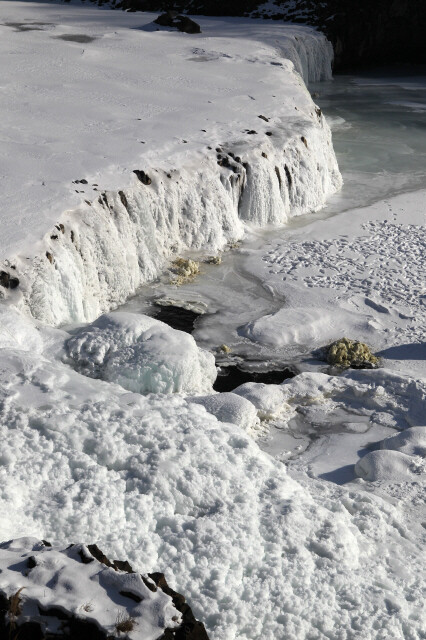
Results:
[176, 317]
[229, 378]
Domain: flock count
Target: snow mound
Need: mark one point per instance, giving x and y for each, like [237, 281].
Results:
[142, 355]
[388, 466]
[81, 589]
[310, 327]
[411, 441]
[269, 399]
[229, 407]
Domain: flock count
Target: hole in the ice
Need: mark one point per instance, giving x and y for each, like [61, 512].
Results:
[177, 317]
[231, 377]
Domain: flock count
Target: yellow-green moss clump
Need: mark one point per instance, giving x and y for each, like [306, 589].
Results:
[185, 270]
[350, 353]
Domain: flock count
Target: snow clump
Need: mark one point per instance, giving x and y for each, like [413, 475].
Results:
[142, 355]
[388, 466]
[229, 407]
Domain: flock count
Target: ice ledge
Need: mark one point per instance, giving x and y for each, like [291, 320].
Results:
[100, 253]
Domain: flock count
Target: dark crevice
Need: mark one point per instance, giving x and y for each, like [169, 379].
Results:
[231, 377]
[177, 317]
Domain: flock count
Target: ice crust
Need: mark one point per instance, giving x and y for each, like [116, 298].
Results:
[116, 238]
[142, 355]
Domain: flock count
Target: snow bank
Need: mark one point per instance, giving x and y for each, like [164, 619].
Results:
[56, 584]
[142, 355]
[241, 142]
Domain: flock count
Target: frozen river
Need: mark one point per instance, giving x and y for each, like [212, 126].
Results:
[379, 125]
[378, 121]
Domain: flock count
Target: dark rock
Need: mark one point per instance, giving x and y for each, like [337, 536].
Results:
[181, 23]
[305, 142]
[191, 629]
[123, 199]
[142, 176]
[288, 176]
[264, 118]
[7, 281]
[277, 171]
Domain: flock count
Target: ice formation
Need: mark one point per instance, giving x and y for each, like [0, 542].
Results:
[142, 355]
[208, 165]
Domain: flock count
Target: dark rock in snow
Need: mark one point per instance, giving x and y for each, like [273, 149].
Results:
[7, 281]
[181, 23]
[142, 176]
[23, 616]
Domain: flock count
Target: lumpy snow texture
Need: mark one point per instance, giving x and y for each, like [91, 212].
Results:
[142, 355]
[164, 483]
[166, 104]
[56, 577]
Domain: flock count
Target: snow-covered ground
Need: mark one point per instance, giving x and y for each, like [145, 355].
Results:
[322, 539]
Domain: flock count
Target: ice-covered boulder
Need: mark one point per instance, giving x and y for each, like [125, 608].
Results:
[229, 407]
[269, 399]
[143, 355]
[411, 441]
[387, 466]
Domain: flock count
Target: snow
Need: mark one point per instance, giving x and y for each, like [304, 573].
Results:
[269, 399]
[57, 578]
[87, 121]
[161, 481]
[142, 355]
[411, 441]
[111, 432]
[229, 407]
